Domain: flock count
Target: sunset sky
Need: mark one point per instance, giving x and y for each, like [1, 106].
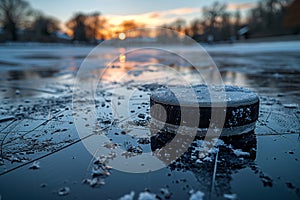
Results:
[153, 12]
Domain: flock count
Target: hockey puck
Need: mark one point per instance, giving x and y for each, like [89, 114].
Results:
[242, 109]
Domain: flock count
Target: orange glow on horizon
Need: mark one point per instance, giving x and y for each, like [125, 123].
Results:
[115, 26]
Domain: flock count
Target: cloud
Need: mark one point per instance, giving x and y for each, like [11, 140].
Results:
[167, 16]
[180, 11]
[155, 15]
[240, 6]
[154, 18]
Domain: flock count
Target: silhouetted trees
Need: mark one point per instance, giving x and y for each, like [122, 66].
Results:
[291, 19]
[87, 27]
[178, 25]
[266, 18]
[13, 14]
[44, 26]
[196, 30]
[219, 22]
[94, 25]
[237, 22]
[212, 13]
[78, 27]
[127, 25]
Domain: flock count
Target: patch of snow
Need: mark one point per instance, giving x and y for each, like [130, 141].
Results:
[207, 146]
[196, 195]
[94, 182]
[230, 196]
[35, 165]
[128, 196]
[198, 161]
[207, 159]
[14, 159]
[100, 171]
[290, 105]
[239, 152]
[147, 196]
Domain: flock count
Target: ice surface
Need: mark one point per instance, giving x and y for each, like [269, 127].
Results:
[269, 69]
[244, 48]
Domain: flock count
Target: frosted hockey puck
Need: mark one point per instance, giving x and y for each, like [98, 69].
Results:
[241, 107]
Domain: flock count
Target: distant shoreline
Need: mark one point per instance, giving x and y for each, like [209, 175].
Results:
[272, 39]
[283, 38]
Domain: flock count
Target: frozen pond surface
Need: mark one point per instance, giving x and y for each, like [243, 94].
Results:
[42, 156]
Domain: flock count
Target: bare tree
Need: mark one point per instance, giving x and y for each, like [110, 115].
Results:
[196, 30]
[44, 25]
[197, 27]
[291, 20]
[129, 25]
[12, 14]
[78, 26]
[212, 13]
[267, 17]
[178, 25]
[95, 26]
[87, 27]
[226, 26]
[237, 22]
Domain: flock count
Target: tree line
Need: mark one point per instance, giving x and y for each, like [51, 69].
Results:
[267, 18]
[20, 22]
